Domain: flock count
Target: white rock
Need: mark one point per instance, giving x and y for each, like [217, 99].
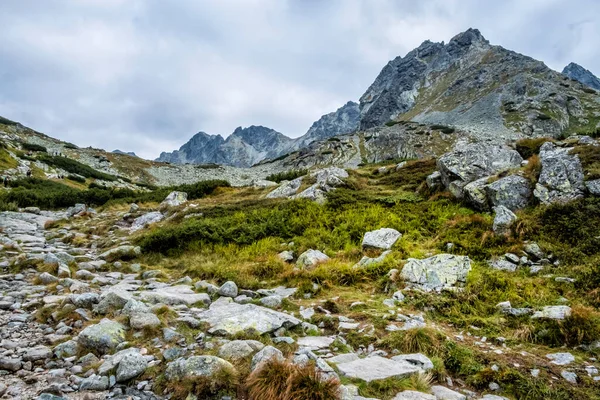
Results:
[383, 238]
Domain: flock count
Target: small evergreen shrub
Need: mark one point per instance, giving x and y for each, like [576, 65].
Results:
[33, 147]
[287, 175]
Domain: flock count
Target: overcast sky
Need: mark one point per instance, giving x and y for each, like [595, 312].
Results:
[145, 75]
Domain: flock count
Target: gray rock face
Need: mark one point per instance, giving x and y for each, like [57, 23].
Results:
[344, 120]
[239, 349]
[437, 272]
[578, 73]
[553, 312]
[476, 160]
[310, 258]
[196, 366]
[513, 192]
[286, 189]
[383, 238]
[561, 178]
[503, 220]
[103, 337]
[232, 318]
[593, 187]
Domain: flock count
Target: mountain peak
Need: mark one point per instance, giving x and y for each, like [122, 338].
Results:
[577, 72]
[469, 37]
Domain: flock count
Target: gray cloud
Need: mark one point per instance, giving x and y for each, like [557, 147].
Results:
[145, 75]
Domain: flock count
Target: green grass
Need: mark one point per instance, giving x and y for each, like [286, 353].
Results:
[75, 167]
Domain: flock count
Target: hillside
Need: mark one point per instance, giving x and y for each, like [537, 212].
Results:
[447, 249]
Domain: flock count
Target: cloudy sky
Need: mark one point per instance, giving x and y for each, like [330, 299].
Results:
[145, 75]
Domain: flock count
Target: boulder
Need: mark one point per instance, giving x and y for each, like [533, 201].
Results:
[103, 337]
[561, 358]
[132, 365]
[376, 368]
[413, 395]
[95, 383]
[146, 219]
[286, 189]
[112, 301]
[476, 160]
[232, 318]
[561, 177]
[174, 199]
[266, 354]
[287, 256]
[593, 187]
[503, 220]
[513, 192]
[475, 193]
[47, 279]
[436, 273]
[443, 393]
[239, 349]
[76, 210]
[310, 258]
[121, 253]
[228, 289]
[195, 367]
[553, 312]
[383, 238]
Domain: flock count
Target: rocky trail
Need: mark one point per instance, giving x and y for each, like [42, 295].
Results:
[81, 323]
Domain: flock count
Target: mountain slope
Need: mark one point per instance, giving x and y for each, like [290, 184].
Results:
[578, 73]
[487, 90]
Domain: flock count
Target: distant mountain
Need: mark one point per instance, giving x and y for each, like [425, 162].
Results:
[578, 73]
[248, 146]
[243, 148]
[486, 90]
[342, 121]
[129, 153]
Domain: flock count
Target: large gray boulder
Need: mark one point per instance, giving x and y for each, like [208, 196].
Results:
[310, 258]
[561, 177]
[146, 219]
[121, 252]
[228, 318]
[476, 160]
[593, 187]
[513, 192]
[383, 238]
[435, 273]
[475, 193]
[132, 365]
[175, 295]
[286, 189]
[196, 367]
[103, 337]
[174, 199]
[503, 220]
[266, 354]
[239, 349]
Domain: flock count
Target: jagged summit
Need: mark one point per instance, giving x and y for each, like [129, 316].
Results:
[486, 90]
[577, 72]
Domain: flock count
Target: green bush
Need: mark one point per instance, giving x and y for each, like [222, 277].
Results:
[6, 121]
[75, 167]
[51, 195]
[76, 178]
[33, 147]
[287, 175]
[70, 146]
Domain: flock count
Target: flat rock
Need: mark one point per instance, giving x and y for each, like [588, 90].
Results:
[196, 366]
[175, 295]
[232, 318]
[553, 312]
[437, 272]
[383, 238]
[413, 395]
[443, 393]
[376, 368]
[561, 358]
[315, 342]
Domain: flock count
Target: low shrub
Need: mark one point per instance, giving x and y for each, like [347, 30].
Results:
[75, 167]
[76, 178]
[33, 147]
[287, 175]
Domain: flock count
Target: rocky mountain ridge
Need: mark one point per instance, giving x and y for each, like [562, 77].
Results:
[248, 146]
[578, 73]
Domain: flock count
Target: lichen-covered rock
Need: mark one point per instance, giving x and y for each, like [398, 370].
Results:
[146, 219]
[476, 160]
[311, 258]
[593, 187]
[103, 337]
[437, 272]
[174, 199]
[383, 238]
[196, 366]
[239, 349]
[475, 193]
[175, 295]
[561, 177]
[228, 318]
[513, 192]
[266, 354]
[503, 220]
[228, 289]
[131, 366]
[286, 189]
[121, 253]
[553, 312]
